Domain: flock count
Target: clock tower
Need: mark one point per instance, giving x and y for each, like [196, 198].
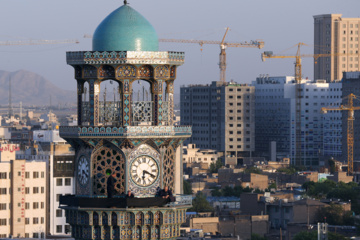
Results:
[137, 140]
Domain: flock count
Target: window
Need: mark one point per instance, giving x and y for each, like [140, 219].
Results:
[230, 139]
[58, 213]
[42, 174]
[42, 189]
[58, 228]
[35, 205]
[2, 206]
[35, 190]
[27, 205]
[2, 221]
[42, 220]
[19, 174]
[58, 197]
[27, 221]
[42, 205]
[59, 182]
[35, 174]
[3, 175]
[2, 191]
[35, 235]
[27, 190]
[19, 220]
[238, 146]
[27, 235]
[27, 175]
[35, 220]
[67, 229]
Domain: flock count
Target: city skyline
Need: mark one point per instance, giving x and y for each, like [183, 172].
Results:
[274, 22]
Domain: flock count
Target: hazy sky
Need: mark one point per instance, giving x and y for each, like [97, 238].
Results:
[280, 23]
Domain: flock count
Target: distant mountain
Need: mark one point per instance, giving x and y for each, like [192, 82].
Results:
[32, 89]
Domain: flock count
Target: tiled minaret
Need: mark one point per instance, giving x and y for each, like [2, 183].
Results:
[137, 140]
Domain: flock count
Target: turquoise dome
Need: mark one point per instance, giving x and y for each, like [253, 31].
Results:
[125, 30]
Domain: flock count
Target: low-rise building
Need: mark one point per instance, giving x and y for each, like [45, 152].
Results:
[192, 154]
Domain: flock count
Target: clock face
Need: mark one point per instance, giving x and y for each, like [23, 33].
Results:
[144, 171]
[83, 170]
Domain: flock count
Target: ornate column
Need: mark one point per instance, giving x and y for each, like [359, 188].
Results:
[157, 90]
[126, 88]
[94, 93]
[170, 100]
[80, 91]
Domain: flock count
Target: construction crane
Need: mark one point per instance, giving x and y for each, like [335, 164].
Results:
[37, 42]
[350, 128]
[298, 76]
[223, 45]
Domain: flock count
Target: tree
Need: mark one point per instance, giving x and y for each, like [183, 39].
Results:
[253, 170]
[313, 236]
[216, 192]
[255, 236]
[306, 235]
[200, 204]
[214, 167]
[187, 187]
[335, 215]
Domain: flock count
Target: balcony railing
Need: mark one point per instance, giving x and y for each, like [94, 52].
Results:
[82, 131]
[110, 113]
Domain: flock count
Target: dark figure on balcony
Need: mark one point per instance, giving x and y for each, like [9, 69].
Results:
[166, 193]
[110, 185]
[129, 195]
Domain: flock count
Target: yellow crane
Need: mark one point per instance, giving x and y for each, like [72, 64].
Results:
[350, 128]
[298, 76]
[37, 42]
[223, 45]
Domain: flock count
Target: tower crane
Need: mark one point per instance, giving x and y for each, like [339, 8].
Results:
[298, 76]
[350, 128]
[37, 42]
[223, 45]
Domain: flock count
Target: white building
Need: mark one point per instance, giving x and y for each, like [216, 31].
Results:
[23, 191]
[59, 157]
[192, 154]
[275, 118]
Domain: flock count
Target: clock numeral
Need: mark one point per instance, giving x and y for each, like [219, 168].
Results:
[134, 171]
[152, 165]
[144, 182]
[144, 160]
[136, 176]
[138, 180]
[154, 170]
[139, 161]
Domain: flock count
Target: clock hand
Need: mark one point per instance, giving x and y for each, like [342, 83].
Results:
[152, 175]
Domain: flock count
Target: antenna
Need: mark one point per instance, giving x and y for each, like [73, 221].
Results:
[10, 104]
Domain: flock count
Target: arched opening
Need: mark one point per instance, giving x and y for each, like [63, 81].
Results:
[85, 106]
[104, 218]
[142, 103]
[109, 103]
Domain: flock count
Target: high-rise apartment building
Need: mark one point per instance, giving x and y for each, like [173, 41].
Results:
[23, 191]
[59, 158]
[222, 116]
[334, 34]
[275, 118]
